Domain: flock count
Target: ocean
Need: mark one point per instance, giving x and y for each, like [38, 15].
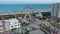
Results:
[20, 7]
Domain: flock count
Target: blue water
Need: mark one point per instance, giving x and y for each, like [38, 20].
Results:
[20, 7]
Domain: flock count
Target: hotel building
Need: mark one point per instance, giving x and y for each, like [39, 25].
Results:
[56, 11]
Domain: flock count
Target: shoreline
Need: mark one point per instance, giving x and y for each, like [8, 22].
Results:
[35, 11]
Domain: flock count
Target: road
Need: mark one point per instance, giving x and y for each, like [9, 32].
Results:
[47, 23]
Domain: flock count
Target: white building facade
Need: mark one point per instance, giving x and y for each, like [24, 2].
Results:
[14, 23]
[9, 24]
[55, 10]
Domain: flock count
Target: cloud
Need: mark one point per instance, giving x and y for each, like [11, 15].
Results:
[28, 1]
[55, 1]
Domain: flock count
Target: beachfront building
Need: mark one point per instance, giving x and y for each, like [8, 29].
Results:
[56, 11]
[14, 23]
[10, 24]
[7, 25]
[38, 15]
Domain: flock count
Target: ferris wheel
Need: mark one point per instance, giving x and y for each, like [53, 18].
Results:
[27, 9]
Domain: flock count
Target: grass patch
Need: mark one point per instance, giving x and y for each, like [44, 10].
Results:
[55, 24]
[1, 30]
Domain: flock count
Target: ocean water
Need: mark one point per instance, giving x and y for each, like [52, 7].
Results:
[20, 7]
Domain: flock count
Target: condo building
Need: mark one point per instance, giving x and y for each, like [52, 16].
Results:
[55, 11]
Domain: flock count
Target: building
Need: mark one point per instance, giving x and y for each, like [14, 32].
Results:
[14, 23]
[38, 15]
[55, 11]
[10, 24]
[7, 25]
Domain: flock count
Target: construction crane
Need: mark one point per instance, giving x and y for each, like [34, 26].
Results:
[4, 28]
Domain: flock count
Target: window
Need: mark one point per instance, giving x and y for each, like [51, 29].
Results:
[11, 26]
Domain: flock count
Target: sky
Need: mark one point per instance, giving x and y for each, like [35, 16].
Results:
[28, 1]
